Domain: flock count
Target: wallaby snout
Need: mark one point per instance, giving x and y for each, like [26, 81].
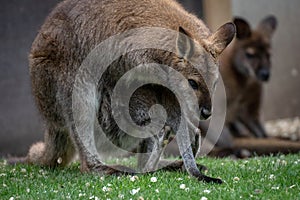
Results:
[263, 74]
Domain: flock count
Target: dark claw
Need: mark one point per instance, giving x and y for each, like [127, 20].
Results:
[208, 179]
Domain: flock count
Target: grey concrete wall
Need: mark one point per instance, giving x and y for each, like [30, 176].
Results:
[20, 125]
[282, 93]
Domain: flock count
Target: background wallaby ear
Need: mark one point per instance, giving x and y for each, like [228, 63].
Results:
[243, 29]
[219, 40]
[267, 26]
[184, 44]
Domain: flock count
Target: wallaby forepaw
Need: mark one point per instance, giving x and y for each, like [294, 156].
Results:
[120, 170]
[208, 179]
[178, 165]
[116, 170]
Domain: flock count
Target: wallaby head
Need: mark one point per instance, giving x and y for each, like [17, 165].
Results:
[252, 48]
[203, 82]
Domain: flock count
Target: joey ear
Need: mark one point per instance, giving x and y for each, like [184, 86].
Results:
[184, 44]
[243, 29]
[219, 40]
[267, 26]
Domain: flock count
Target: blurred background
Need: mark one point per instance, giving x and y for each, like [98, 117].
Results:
[21, 125]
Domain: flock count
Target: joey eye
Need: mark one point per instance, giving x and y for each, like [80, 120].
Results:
[193, 84]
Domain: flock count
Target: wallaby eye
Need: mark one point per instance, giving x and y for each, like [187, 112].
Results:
[250, 52]
[193, 84]
[250, 55]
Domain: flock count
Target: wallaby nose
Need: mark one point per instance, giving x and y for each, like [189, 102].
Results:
[205, 112]
[263, 74]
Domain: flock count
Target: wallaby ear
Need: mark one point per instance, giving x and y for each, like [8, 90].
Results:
[243, 29]
[184, 44]
[267, 26]
[219, 40]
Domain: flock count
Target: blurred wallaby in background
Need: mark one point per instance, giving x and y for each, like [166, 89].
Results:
[245, 66]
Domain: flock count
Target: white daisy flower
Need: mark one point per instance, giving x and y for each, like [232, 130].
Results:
[275, 188]
[133, 178]
[153, 179]
[134, 191]
[207, 191]
[182, 186]
[106, 189]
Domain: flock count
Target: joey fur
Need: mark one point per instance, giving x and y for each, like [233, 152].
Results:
[72, 30]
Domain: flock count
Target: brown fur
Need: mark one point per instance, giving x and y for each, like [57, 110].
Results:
[245, 65]
[70, 32]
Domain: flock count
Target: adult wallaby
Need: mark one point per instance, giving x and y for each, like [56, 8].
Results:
[72, 30]
[245, 65]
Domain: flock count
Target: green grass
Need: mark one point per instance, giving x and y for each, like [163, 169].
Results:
[274, 177]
